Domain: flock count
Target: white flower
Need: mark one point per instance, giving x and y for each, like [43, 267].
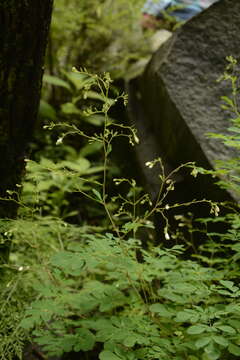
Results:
[117, 181]
[59, 141]
[149, 164]
[136, 139]
[216, 210]
[194, 172]
[166, 234]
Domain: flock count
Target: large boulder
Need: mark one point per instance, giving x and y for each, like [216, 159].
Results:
[177, 99]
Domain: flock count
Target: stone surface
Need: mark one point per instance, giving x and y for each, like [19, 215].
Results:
[179, 94]
[159, 38]
[154, 42]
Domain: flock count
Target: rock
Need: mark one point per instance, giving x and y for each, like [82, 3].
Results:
[177, 99]
[154, 42]
[159, 38]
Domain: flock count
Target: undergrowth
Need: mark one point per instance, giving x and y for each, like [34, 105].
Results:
[95, 286]
[100, 35]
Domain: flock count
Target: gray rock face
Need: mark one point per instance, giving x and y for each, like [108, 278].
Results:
[179, 91]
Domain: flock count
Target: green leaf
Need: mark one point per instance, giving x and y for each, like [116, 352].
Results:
[45, 163]
[86, 340]
[226, 328]
[212, 352]
[227, 100]
[161, 310]
[79, 80]
[108, 355]
[81, 165]
[229, 285]
[220, 340]
[54, 80]
[130, 341]
[234, 349]
[67, 342]
[70, 263]
[90, 149]
[95, 95]
[184, 287]
[97, 193]
[27, 323]
[123, 353]
[70, 109]
[47, 111]
[196, 329]
[97, 120]
[183, 316]
[202, 342]
[235, 323]
[94, 169]
[128, 226]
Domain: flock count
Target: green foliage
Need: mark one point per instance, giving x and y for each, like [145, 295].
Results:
[131, 300]
[97, 287]
[100, 35]
[50, 183]
[80, 94]
[160, 307]
[12, 337]
[14, 294]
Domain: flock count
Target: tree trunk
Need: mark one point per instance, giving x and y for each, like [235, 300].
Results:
[24, 26]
